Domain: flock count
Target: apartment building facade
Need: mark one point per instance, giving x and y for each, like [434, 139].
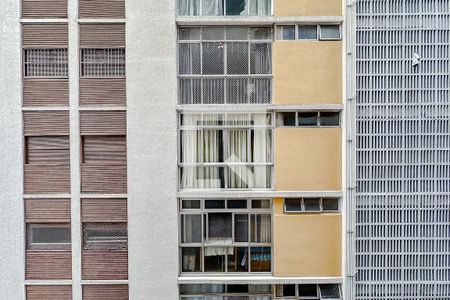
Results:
[182, 149]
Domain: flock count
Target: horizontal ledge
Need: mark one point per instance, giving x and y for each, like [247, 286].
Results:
[48, 282]
[97, 21]
[92, 282]
[44, 21]
[256, 280]
[255, 107]
[255, 20]
[45, 108]
[103, 196]
[102, 108]
[46, 196]
[257, 194]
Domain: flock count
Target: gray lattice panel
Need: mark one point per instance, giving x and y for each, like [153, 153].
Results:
[403, 150]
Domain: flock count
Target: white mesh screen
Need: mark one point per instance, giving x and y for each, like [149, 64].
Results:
[45, 63]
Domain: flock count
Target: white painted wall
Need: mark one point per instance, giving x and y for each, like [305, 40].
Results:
[11, 202]
[152, 166]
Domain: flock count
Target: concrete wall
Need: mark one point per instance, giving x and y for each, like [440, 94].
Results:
[152, 146]
[11, 201]
[307, 7]
[308, 159]
[307, 72]
[307, 244]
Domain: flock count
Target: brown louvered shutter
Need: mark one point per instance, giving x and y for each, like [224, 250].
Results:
[105, 149]
[103, 122]
[55, 264]
[104, 210]
[49, 292]
[103, 91]
[47, 211]
[40, 36]
[44, 9]
[102, 35]
[45, 92]
[104, 265]
[108, 9]
[105, 292]
[46, 165]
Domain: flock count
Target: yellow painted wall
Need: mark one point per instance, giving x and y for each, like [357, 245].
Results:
[307, 72]
[308, 159]
[308, 8]
[307, 245]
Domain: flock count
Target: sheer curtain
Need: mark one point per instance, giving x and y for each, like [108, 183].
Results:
[188, 7]
[260, 7]
[262, 146]
[212, 7]
[190, 153]
[211, 152]
[239, 176]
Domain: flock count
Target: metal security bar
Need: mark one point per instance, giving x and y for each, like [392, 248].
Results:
[105, 236]
[403, 150]
[103, 62]
[225, 65]
[45, 63]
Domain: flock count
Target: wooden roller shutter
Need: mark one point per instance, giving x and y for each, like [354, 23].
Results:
[105, 292]
[47, 210]
[103, 123]
[45, 92]
[48, 150]
[103, 91]
[102, 35]
[104, 150]
[101, 9]
[55, 264]
[53, 35]
[103, 210]
[104, 179]
[104, 265]
[40, 123]
[44, 9]
[46, 179]
[49, 292]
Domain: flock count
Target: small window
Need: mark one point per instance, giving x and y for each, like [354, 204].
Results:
[237, 204]
[191, 228]
[307, 118]
[330, 291]
[237, 288]
[312, 204]
[45, 63]
[191, 258]
[48, 236]
[293, 205]
[329, 119]
[330, 32]
[307, 290]
[260, 203]
[330, 204]
[105, 236]
[102, 62]
[214, 204]
[289, 290]
[190, 204]
[288, 32]
[307, 32]
[286, 119]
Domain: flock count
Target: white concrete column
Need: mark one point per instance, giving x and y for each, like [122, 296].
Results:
[12, 235]
[152, 149]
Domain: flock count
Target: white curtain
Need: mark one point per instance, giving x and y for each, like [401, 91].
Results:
[212, 7]
[188, 7]
[261, 228]
[262, 151]
[211, 149]
[190, 140]
[192, 228]
[260, 7]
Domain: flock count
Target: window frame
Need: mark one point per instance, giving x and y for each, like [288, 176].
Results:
[318, 112]
[279, 287]
[203, 212]
[279, 32]
[320, 211]
[47, 246]
[100, 65]
[25, 63]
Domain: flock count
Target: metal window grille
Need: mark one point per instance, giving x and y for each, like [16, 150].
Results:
[225, 65]
[45, 63]
[103, 62]
[105, 236]
[403, 150]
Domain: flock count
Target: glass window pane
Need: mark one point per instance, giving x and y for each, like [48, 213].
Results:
[237, 288]
[330, 204]
[213, 55]
[188, 7]
[307, 32]
[260, 33]
[312, 204]
[236, 204]
[191, 228]
[186, 289]
[288, 290]
[330, 291]
[212, 146]
[293, 204]
[213, 288]
[238, 260]
[260, 58]
[214, 204]
[50, 234]
[241, 228]
[260, 203]
[307, 290]
[190, 204]
[219, 227]
[212, 7]
[189, 33]
[215, 258]
[237, 58]
[261, 288]
[329, 119]
[261, 227]
[260, 7]
[286, 119]
[189, 58]
[330, 32]
[236, 33]
[236, 7]
[307, 118]
[191, 259]
[288, 32]
[260, 259]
